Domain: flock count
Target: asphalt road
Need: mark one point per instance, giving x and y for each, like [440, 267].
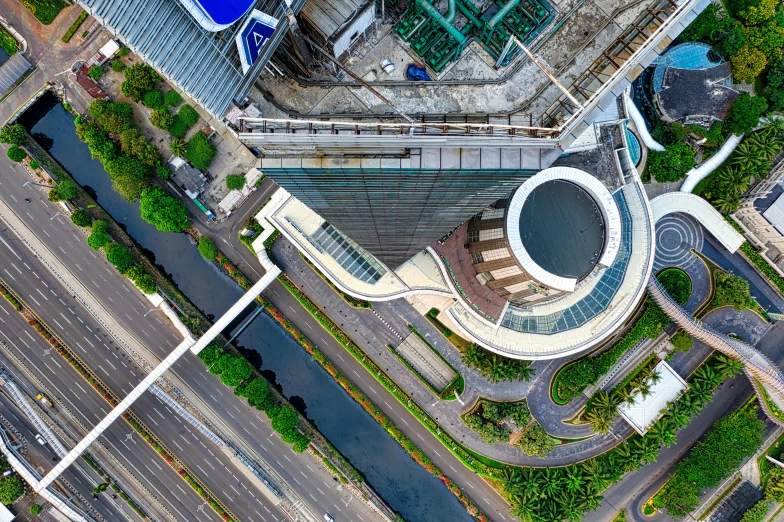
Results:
[80, 476]
[487, 498]
[67, 387]
[303, 473]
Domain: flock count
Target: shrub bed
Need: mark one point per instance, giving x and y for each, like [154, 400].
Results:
[45, 10]
[586, 371]
[74, 27]
[720, 452]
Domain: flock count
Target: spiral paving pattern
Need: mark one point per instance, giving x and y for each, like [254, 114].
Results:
[676, 235]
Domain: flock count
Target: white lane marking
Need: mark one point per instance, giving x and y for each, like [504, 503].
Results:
[64, 317]
[9, 274]
[42, 294]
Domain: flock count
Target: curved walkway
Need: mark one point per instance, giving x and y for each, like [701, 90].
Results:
[756, 363]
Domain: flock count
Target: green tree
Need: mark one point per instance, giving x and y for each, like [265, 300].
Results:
[774, 90]
[11, 488]
[163, 172]
[110, 116]
[676, 283]
[129, 175]
[768, 39]
[172, 98]
[68, 189]
[536, 442]
[682, 341]
[211, 353]
[161, 119]
[731, 290]
[236, 372]
[748, 63]
[96, 72]
[35, 509]
[761, 12]
[142, 279]
[258, 393]
[154, 99]
[16, 153]
[207, 248]
[118, 66]
[139, 78]
[97, 140]
[756, 513]
[13, 134]
[97, 240]
[119, 256]
[671, 164]
[235, 181]
[81, 218]
[201, 151]
[166, 212]
[179, 147]
[34, 165]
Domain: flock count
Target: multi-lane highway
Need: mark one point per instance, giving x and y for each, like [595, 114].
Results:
[80, 476]
[64, 314]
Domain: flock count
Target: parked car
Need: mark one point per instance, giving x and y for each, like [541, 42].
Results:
[40, 439]
[328, 517]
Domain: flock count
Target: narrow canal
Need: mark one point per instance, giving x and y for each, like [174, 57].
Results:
[404, 484]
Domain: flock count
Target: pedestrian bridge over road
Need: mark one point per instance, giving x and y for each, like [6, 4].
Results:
[766, 378]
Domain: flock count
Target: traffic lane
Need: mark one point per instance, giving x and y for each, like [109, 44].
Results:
[314, 483]
[72, 391]
[487, 498]
[87, 337]
[43, 457]
[121, 377]
[43, 218]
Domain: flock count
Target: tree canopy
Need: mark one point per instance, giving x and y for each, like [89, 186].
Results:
[139, 79]
[13, 134]
[11, 488]
[671, 164]
[166, 212]
[744, 114]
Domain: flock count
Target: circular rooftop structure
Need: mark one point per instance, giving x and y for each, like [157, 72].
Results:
[560, 224]
[562, 229]
[690, 56]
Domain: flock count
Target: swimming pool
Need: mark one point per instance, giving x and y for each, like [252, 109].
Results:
[634, 146]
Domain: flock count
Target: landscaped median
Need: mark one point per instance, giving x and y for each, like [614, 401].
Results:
[110, 397]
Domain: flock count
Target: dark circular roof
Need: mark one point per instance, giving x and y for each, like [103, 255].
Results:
[562, 229]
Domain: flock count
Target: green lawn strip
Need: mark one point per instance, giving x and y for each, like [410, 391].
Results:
[45, 10]
[350, 300]
[8, 42]
[458, 342]
[109, 481]
[458, 377]
[74, 27]
[457, 449]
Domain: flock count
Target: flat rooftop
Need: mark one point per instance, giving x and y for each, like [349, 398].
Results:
[647, 410]
[562, 229]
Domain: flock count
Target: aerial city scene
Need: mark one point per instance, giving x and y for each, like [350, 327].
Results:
[392, 260]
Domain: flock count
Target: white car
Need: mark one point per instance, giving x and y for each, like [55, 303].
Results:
[328, 517]
[40, 439]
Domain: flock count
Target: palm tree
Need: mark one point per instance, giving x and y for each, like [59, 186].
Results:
[734, 180]
[728, 366]
[628, 395]
[178, 147]
[645, 389]
[727, 204]
[552, 481]
[767, 142]
[664, 432]
[645, 450]
[597, 475]
[747, 153]
[655, 376]
[574, 479]
[774, 126]
[708, 374]
[523, 373]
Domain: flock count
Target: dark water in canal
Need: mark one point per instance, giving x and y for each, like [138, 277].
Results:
[405, 485]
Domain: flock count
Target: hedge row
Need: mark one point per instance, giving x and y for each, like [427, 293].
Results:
[454, 446]
[74, 27]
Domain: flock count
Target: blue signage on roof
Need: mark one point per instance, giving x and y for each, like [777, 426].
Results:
[225, 11]
[256, 32]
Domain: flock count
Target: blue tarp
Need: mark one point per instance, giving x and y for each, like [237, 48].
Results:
[416, 73]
